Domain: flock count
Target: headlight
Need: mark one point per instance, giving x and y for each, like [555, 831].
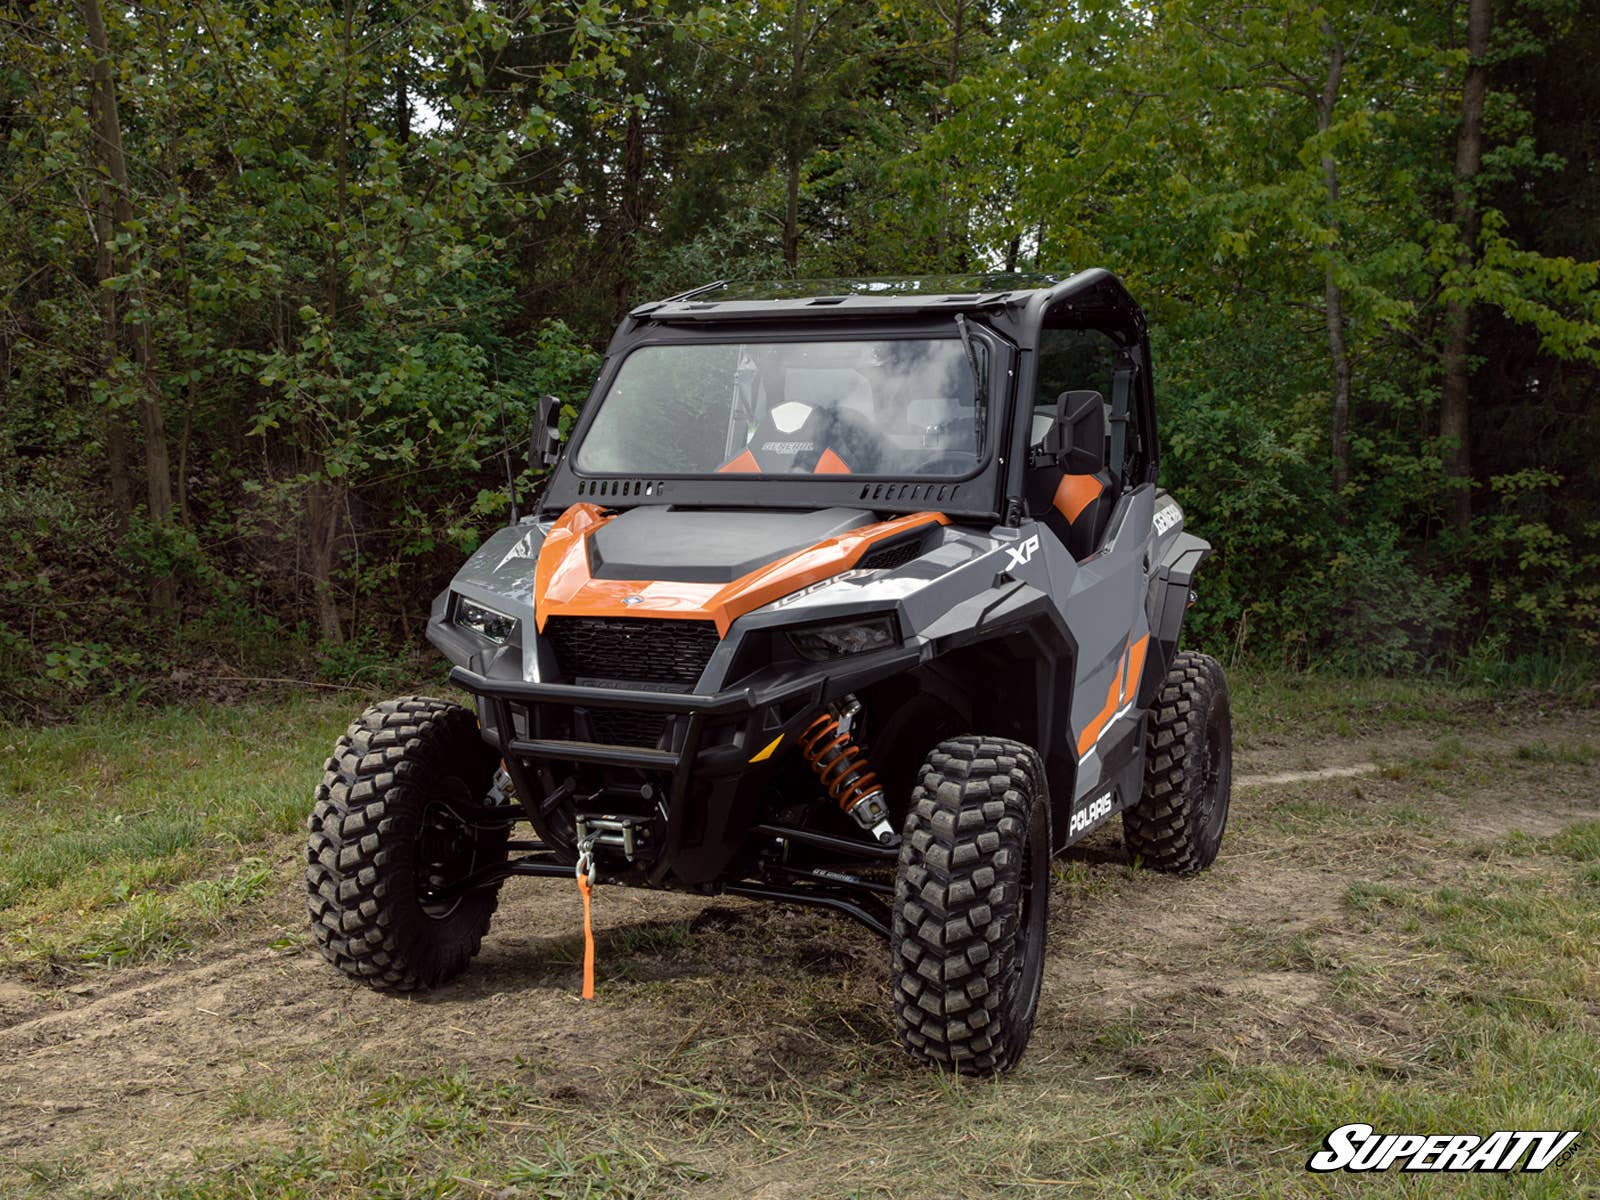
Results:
[822, 642]
[485, 622]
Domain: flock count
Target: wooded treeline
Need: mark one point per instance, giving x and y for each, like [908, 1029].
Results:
[279, 279]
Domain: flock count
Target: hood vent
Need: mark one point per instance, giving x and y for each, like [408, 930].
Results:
[886, 556]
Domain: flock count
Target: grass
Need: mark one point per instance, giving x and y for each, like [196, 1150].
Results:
[1199, 1037]
[126, 833]
[1268, 703]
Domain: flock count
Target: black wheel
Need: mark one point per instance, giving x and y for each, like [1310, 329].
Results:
[1188, 773]
[385, 834]
[971, 900]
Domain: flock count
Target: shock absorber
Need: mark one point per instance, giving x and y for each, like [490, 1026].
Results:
[844, 771]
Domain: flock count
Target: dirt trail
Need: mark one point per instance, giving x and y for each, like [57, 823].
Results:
[1281, 777]
[134, 1068]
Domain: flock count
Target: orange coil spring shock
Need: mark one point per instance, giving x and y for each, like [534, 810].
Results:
[846, 775]
[840, 764]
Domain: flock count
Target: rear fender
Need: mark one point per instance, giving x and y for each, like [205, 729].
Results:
[1170, 595]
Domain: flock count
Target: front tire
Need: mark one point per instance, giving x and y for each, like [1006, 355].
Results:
[1178, 823]
[382, 832]
[972, 895]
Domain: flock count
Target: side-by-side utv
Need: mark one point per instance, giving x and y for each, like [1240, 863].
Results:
[860, 594]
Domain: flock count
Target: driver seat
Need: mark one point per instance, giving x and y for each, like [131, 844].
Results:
[1076, 508]
[1079, 510]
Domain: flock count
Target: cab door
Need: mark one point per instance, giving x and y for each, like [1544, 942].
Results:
[1104, 521]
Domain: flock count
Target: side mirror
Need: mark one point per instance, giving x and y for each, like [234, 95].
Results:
[545, 447]
[1076, 442]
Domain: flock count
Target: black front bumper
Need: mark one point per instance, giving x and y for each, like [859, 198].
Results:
[714, 796]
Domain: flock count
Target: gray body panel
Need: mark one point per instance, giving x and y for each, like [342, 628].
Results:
[970, 585]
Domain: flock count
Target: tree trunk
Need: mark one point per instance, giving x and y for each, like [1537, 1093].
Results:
[331, 272]
[116, 423]
[952, 229]
[631, 209]
[792, 149]
[402, 91]
[1454, 414]
[324, 498]
[324, 504]
[1333, 294]
[117, 471]
[791, 210]
[108, 147]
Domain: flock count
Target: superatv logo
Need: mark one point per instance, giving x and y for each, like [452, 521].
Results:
[1090, 815]
[1359, 1148]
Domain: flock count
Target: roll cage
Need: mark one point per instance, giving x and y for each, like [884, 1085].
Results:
[1005, 313]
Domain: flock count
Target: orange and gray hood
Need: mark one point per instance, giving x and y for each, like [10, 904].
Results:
[700, 564]
[724, 573]
[712, 566]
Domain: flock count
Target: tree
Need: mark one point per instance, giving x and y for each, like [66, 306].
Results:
[1455, 413]
[116, 195]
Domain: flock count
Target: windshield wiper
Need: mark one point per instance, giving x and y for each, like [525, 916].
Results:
[977, 381]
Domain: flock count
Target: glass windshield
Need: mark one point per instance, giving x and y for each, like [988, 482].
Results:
[903, 408]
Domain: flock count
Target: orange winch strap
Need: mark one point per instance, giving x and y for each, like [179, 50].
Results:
[588, 939]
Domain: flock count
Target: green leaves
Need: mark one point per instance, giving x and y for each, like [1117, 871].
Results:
[363, 260]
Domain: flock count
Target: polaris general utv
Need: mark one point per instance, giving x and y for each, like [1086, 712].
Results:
[853, 594]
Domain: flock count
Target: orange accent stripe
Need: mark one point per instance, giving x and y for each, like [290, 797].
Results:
[745, 464]
[1130, 687]
[564, 587]
[1074, 494]
[1123, 688]
[830, 464]
[1091, 731]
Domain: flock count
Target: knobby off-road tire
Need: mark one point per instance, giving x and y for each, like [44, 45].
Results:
[971, 900]
[381, 830]
[1188, 774]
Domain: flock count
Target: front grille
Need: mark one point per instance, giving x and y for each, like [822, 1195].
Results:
[624, 727]
[641, 650]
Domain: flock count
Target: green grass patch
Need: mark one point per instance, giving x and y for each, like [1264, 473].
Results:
[121, 835]
[434, 1135]
[1267, 702]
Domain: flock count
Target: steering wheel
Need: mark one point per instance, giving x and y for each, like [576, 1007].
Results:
[949, 464]
[856, 441]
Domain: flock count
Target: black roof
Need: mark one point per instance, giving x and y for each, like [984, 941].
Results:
[927, 286]
[951, 293]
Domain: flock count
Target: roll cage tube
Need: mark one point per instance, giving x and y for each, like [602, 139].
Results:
[1126, 326]
[975, 495]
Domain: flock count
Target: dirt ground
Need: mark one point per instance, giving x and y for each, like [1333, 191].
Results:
[133, 1073]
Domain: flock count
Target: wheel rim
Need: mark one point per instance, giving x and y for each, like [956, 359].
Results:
[1027, 945]
[1214, 781]
[446, 850]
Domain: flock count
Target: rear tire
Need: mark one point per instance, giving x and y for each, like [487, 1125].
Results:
[1177, 825]
[381, 831]
[972, 895]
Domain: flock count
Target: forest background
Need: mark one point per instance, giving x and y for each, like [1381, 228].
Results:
[280, 280]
